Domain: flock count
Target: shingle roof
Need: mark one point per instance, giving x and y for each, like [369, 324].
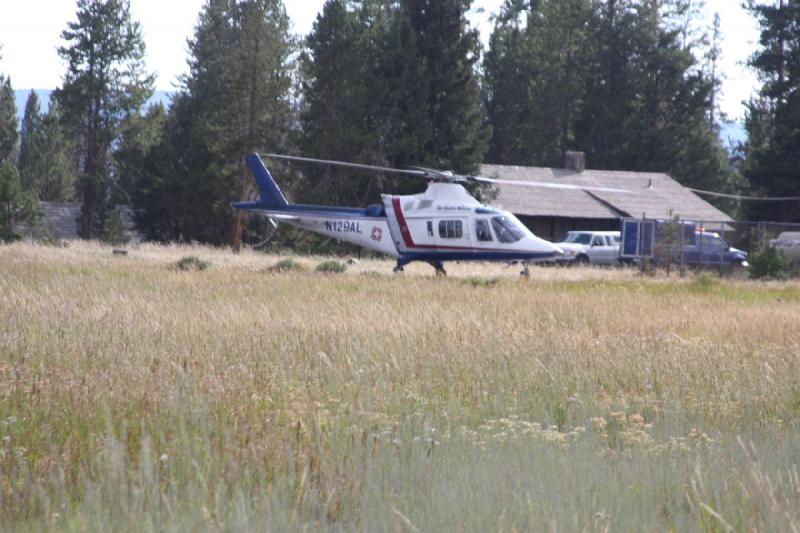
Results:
[62, 220]
[651, 194]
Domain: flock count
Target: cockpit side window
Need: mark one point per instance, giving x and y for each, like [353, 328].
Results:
[506, 230]
[482, 231]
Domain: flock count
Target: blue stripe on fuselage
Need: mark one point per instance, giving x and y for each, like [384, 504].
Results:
[476, 255]
[315, 210]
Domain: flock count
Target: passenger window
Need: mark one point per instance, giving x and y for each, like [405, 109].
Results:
[597, 241]
[450, 229]
[482, 230]
[430, 229]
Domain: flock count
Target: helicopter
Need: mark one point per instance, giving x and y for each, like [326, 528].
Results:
[443, 223]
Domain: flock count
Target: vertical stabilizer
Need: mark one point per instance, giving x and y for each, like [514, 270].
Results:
[271, 195]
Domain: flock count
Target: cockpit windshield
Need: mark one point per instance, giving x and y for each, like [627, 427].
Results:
[506, 229]
[578, 237]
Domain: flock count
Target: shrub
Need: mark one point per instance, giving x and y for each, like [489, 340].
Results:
[191, 262]
[767, 262]
[331, 267]
[287, 265]
[114, 233]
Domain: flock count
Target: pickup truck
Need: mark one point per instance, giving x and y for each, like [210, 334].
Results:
[788, 243]
[710, 251]
[590, 247]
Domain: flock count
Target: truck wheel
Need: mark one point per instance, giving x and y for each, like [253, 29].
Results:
[582, 260]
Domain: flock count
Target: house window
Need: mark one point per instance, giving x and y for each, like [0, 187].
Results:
[450, 229]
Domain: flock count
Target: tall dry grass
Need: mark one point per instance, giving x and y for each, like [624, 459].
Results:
[135, 396]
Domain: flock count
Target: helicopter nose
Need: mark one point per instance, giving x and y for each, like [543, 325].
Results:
[557, 250]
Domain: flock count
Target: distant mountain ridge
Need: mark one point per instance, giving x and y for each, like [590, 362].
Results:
[21, 97]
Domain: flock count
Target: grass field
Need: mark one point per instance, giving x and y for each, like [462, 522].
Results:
[137, 397]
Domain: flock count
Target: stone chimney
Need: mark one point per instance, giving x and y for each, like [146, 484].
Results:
[575, 161]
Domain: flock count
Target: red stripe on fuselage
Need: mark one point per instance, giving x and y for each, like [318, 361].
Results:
[401, 221]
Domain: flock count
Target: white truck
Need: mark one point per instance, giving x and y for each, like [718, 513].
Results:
[590, 247]
[788, 243]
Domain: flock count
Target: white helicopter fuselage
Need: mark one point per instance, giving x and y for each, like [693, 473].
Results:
[444, 223]
[447, 223]
[370, 232]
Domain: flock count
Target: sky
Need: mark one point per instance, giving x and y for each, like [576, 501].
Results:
[30, 33]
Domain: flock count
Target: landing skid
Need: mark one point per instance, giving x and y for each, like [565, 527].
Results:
[438, 265]
[401, 262]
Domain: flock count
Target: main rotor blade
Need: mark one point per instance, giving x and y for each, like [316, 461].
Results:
[544, 184]
[418, 173]
[444, 174]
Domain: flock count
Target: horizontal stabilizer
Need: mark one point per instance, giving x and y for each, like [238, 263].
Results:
[284, 218]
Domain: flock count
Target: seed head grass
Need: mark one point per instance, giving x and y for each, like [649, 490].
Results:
[133, 396]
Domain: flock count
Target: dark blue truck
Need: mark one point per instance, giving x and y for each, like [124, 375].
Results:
[699, 248]
[709, 250]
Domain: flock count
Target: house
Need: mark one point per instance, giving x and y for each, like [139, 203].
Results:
[60, 221]
[550, 213]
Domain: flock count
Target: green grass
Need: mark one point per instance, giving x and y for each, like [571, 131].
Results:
[135, 397]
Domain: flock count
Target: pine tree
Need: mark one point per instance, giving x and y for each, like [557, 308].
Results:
[235, 99]
[138, 134]
[773, 119]
[506, 80]
[104, 83]
[58, 171]
[8, 121]
[619, 80]
[610, 105]
[342, 112]
[165, 188]
[45, 165]
[442, 118]
[714, 54]
[391, 83]
[31, 143]
[16, 204]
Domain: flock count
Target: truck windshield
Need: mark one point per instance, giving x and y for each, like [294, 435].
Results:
[578, 238]
[712, 242]
[506, 230]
